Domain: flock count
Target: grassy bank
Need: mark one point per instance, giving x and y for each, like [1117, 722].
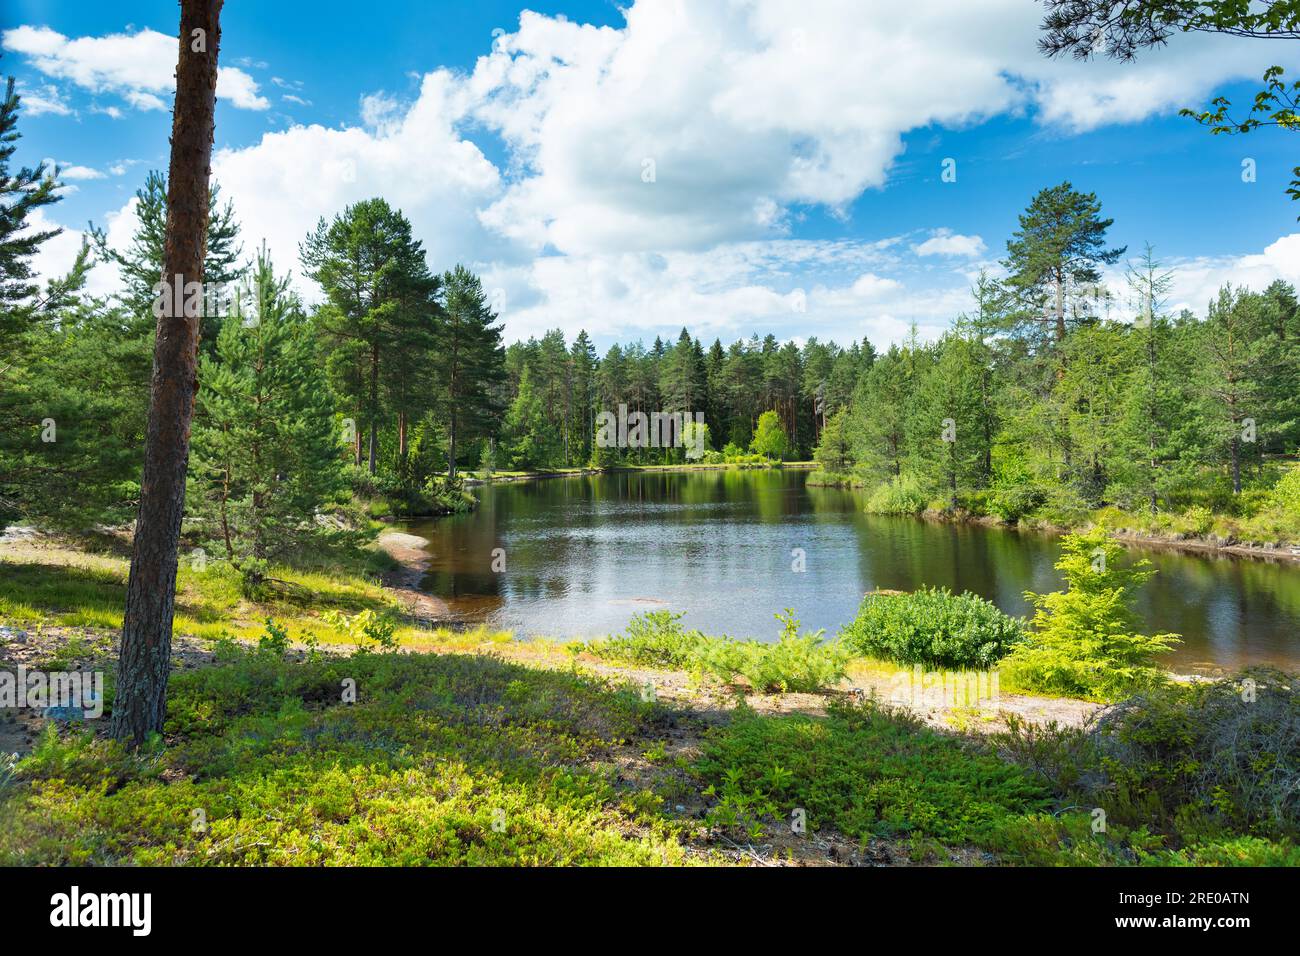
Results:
[1259, 525]
[60, 582]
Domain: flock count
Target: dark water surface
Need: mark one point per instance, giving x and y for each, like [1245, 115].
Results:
[583, 554]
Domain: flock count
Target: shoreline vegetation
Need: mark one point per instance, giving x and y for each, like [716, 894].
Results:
[1190, 534]
[473, 478]
[658, 746]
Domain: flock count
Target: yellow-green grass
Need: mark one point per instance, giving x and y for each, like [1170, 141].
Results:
[442, 759]
[70, 588]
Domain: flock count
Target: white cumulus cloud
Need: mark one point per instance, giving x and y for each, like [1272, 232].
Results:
[136, 66]
[944, 242]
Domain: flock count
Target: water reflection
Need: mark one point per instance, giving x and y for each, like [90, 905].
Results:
[584, 554]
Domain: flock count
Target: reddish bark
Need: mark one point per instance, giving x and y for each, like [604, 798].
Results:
[141, 698]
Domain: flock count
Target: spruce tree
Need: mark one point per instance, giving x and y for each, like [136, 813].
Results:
[470, 362]
[140, 264]
[266, 452]
[585, 364]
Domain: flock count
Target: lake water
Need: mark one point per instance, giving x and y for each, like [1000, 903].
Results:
[583, 554]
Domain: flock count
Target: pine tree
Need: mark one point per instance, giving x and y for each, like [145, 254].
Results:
[72, 408]
[1094, 391]
[879, 415]
[144, 661]
[23, 192]
[379, 297]
[1239, 349]
[945, 435]
[834, 452]
[1156, 403]
[1054, 255]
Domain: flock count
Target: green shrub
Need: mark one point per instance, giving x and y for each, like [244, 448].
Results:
[1285, 496]
[1013, 502]
[796, 663]
[1015, 492]
[977, 502]
[365, 628]
[1199, 520]
[1061, 506]
[1233, 851]
[934, 628]
[799, 662]
[831, 479]
[275, 640]
[901, 495]
[1212, 757]
[652, 639]
[1084, 641]
[253, 574]
[1273, 514]
[1068, 839]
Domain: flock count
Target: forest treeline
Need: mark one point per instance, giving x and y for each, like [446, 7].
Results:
[1047, 398]
[1022, 413]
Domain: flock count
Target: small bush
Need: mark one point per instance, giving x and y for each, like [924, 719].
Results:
[901, 495]
[364, 628]
[1285, 496]
[275, 640]
[253, 574]
[1199, 520]
[1234, 851]
[933, 627]
[1217, 756]
[799, 662]
[652, 639]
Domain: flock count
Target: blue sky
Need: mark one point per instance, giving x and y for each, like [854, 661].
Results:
[796, 148]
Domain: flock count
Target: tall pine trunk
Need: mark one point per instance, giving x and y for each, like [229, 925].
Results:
[451, 446]
[453, 390]
[141, 700]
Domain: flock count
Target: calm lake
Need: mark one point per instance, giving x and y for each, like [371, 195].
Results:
[583, 554]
